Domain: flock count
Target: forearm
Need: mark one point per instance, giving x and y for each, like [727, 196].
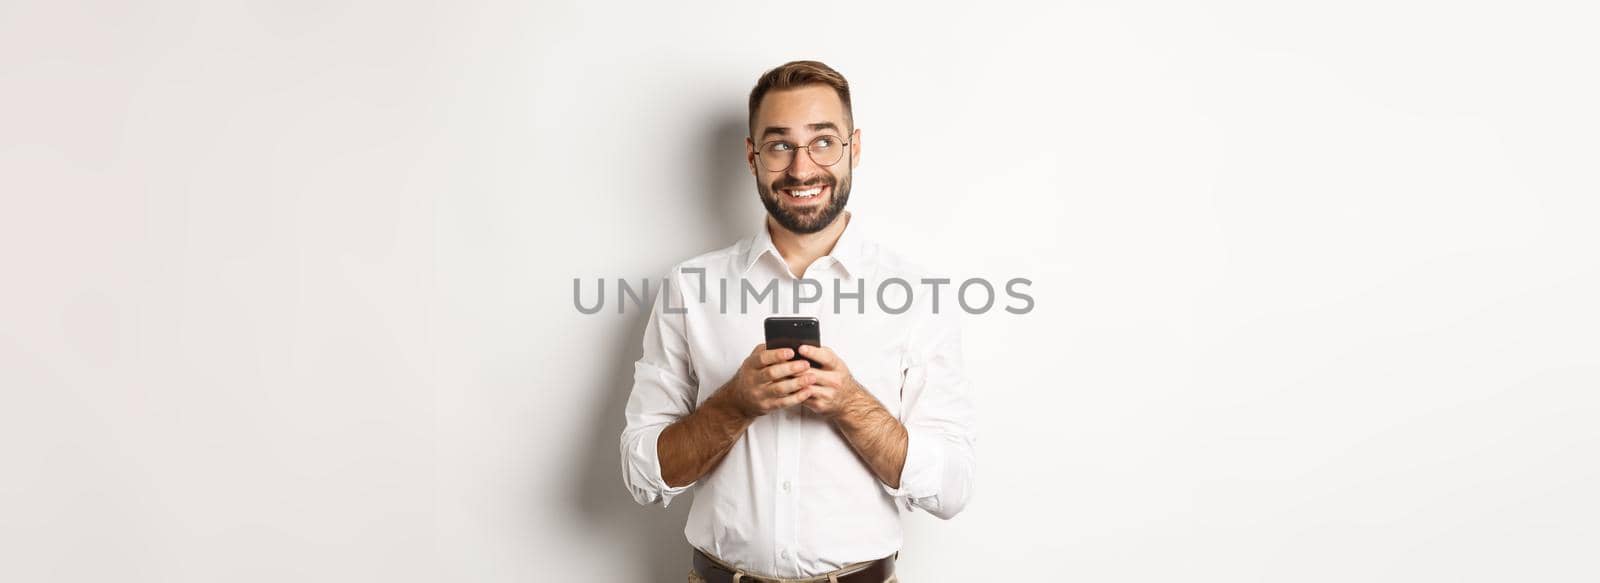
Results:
[694, 445]
[875, 435]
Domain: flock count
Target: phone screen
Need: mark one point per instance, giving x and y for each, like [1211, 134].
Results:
[793, 331]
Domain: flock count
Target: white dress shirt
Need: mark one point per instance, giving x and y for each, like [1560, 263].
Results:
[791, 498]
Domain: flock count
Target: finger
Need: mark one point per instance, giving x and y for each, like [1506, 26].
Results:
[775, 356]
[790, 385]
[822, 354]
[785, 369]
[826, 378]
[820, 390]
[795, 398]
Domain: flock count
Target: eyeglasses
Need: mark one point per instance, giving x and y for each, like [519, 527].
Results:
[777, 155]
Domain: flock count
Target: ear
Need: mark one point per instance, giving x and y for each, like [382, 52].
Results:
[750, 155]
[855, 149]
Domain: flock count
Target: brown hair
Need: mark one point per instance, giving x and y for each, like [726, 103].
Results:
[794, 74]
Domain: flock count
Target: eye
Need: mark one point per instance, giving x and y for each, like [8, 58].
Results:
[780, 147]
[822, 143]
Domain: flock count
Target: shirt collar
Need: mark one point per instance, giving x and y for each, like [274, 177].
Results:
[850, 251]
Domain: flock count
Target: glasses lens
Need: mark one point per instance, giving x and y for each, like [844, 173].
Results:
[777, 156]
[826, 150]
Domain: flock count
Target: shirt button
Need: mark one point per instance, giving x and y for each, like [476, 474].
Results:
[786, 485]
[784, 554]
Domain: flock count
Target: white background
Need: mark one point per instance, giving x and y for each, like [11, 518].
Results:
[287, 285]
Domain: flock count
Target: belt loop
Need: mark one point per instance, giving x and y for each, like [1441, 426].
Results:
[832, 578]
[737, 576]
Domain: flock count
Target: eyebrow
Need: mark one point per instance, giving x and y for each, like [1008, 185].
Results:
[784, 131]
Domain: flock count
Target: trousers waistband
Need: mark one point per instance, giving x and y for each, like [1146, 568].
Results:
[715, 570]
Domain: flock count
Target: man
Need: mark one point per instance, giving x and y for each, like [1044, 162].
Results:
[802, 469]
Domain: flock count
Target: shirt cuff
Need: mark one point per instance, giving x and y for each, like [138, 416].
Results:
[647, 470]
[921, 476]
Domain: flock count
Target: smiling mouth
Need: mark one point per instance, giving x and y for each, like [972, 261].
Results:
[806, 194]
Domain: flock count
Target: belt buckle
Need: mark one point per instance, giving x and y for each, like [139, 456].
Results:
[739, 577]
[743, 578]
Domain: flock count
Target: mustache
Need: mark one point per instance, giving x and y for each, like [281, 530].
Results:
[787, 182]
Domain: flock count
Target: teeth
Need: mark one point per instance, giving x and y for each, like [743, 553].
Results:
[806, 193]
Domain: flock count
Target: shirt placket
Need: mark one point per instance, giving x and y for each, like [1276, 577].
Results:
[785, 533]
[791, 425]
[783, 520]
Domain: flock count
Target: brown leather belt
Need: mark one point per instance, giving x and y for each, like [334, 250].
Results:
[877, 571]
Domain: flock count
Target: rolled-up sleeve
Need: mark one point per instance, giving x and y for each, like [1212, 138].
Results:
[663, 392]
[940, 420]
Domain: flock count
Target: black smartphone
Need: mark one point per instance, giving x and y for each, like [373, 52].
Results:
[793, 331]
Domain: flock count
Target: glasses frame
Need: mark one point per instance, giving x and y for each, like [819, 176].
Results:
[807, 148]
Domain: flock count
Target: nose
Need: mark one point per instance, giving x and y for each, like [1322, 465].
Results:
[803, 165]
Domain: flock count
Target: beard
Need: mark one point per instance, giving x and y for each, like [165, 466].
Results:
[805, 221]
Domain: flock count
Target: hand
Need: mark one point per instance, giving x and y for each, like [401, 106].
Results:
[767, 381]
[835, 390]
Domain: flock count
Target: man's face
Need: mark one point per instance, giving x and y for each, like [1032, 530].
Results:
[796, 118]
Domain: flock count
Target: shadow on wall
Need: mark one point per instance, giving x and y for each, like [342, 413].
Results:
[648, 542]
[731, 201]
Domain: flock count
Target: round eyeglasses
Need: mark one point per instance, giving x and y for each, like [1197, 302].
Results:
[777, 155]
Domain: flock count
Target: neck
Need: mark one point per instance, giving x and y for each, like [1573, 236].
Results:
[800, 250]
